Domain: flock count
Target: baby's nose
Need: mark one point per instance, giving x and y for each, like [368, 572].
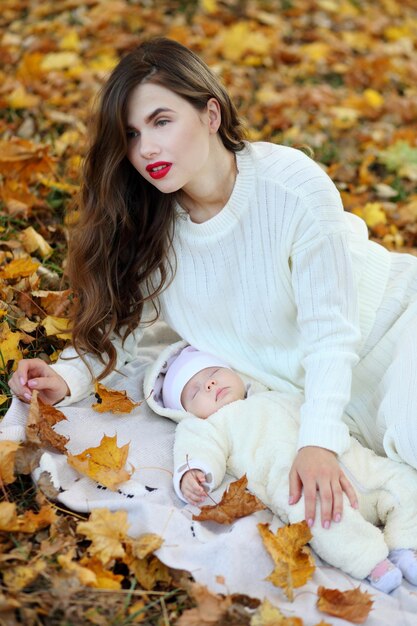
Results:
[210, 383]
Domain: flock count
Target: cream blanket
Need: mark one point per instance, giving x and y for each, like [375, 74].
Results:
[228, 559]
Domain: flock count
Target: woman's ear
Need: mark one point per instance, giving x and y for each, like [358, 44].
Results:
[214, 115]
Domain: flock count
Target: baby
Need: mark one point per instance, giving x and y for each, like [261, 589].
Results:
[243, 431]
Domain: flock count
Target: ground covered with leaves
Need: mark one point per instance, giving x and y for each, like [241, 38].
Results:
[337, 78]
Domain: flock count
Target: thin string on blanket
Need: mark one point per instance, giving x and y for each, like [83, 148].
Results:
[150, 467]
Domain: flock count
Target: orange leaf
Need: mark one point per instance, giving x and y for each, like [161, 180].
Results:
[18, 268]
[104, 463]
[294, 565]
[235, 503]
[7, 458]
[42, 417]
[112, 400]
[353, 605]
[29, 522]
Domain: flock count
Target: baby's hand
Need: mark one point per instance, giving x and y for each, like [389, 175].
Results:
[191, 486]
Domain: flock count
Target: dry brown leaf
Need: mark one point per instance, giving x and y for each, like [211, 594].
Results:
[104, 463]
[235, 503]
[7, 461]
[353, 605]
[27, 457]
[59, 326]
[269, 615]
[106, 531]
[209, 610]
[112, 400]
[294, 565]
[29, 522]
[39, 426]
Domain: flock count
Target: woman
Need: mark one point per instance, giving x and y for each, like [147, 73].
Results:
[245, 251]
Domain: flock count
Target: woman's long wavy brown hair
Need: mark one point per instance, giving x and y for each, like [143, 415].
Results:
[118, 252]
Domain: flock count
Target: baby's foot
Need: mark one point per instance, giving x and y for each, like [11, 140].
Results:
[385, 576]
[406, 561]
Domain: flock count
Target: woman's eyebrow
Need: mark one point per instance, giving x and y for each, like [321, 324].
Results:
[156, 112]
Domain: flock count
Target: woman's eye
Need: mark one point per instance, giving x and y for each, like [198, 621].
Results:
[161, 122]
[131, 134]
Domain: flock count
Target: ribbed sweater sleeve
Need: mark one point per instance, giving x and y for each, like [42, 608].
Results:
[327, 314]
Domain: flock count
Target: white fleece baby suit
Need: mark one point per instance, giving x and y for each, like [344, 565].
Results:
[285, 286]
[258, 437]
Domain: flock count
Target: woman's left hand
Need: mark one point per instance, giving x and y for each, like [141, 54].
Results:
[317, 470]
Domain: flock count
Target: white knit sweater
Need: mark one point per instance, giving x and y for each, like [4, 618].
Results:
[271, 285]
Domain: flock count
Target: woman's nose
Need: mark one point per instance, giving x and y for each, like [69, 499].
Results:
[148, 148]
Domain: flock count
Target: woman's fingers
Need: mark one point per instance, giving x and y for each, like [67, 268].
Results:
[349, 491]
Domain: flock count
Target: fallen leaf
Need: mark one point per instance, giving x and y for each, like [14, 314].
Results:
[9, 346]
[148, 571]
[59, 326]
[41, 418]
[84, 574]
[235, 503]
[18, 268]
[45, 484]
[209, 610]
[7, 460]
[294, 565]
[112, 400]
[33, 241]
[29, 522]
[105, 579]
[27, 457]
[104, 463]
[145, 545]
[353, 605]
[269, 615]
[20, 576]
[106, 531]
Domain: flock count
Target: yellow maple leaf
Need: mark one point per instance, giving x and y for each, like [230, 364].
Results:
[112, 400]
[269, 615]
[7, 458]
[147, 571]
[59, 326]
[33, 241]
[104, 463]
[18, 577]
[294, 565]
[9, 346]
[106, 531]
[353, 605]
[239, 40]
[19, 268]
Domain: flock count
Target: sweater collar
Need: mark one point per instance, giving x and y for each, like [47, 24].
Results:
[233, 210]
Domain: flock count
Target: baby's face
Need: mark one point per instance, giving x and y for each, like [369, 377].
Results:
[210, 389]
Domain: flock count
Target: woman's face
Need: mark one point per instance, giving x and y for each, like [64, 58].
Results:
[168, 139]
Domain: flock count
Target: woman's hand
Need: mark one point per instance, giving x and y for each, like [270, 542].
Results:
[317, 469]
[191, 486]
[36, 374]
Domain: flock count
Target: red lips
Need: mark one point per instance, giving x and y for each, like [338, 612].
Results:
[159, 169]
